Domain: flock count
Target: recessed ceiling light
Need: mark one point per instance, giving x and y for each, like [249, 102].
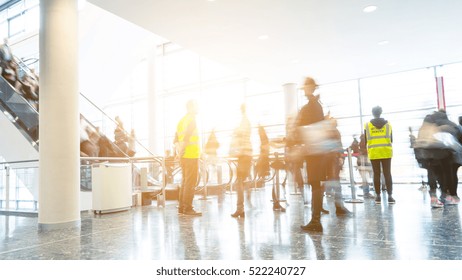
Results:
[391, 63]
[384, 42]
[370, 9]
[295, 61]
[263, 37]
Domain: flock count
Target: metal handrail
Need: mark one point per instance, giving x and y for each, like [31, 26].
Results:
[19, 161]
[114, 122]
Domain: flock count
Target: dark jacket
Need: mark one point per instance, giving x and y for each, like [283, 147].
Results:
[425, 155]
[311, 112]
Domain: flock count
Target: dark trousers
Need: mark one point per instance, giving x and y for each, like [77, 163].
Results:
[333, 167]
[444, 172]
[315, 169]
[385, 165]
[455, 179]
[243, 171]
[190, 177]
[433, 179]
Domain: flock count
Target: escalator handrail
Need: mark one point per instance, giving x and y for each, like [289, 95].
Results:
[21, 64]
[114, 122]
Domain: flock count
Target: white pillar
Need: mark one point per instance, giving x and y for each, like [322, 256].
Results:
[59, 185]
[290, 99]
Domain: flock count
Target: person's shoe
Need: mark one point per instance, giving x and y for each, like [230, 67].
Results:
[238, 214]
[435, 203]
[324, 211]
[313, 225]
[192, 212]
[278, 207]
[368, 195]
[180, 211]
[378, 199]
[342, 211]
[456, 198]
[450, 200]
[391, 200]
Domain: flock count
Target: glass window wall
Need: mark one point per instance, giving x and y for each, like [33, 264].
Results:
[20, 17]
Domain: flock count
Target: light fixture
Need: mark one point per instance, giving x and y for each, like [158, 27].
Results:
[263, 37]
[384, 42]
[370, 9]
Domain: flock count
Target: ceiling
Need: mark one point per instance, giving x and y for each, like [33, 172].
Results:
[330, 40]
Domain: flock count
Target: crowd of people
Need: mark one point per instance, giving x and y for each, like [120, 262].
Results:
[93, 143]
[314, 141]
[24, 81]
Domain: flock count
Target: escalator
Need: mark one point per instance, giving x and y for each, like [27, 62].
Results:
[25, 117]
[20, 112]
[19, 122]
[19, 144]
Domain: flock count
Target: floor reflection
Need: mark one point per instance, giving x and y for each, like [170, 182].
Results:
[408, 230]
[188, 245]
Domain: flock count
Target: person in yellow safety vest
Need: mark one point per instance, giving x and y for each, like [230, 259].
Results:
[189, 151]
[379, 140]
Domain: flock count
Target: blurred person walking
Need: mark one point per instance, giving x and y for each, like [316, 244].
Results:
[241, 147]
[309, 114]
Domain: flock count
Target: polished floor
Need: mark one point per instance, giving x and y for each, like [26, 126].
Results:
[408, 230]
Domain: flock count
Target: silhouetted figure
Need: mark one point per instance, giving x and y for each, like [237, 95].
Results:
[312, 113]
[121, 137]
[242, 149]
[212, 145]
[131, 142]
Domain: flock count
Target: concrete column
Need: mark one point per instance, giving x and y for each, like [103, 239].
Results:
[290, 99]
[59, 151]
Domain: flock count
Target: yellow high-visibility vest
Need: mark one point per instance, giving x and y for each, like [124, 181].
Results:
[192, 148]
[378, 141]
